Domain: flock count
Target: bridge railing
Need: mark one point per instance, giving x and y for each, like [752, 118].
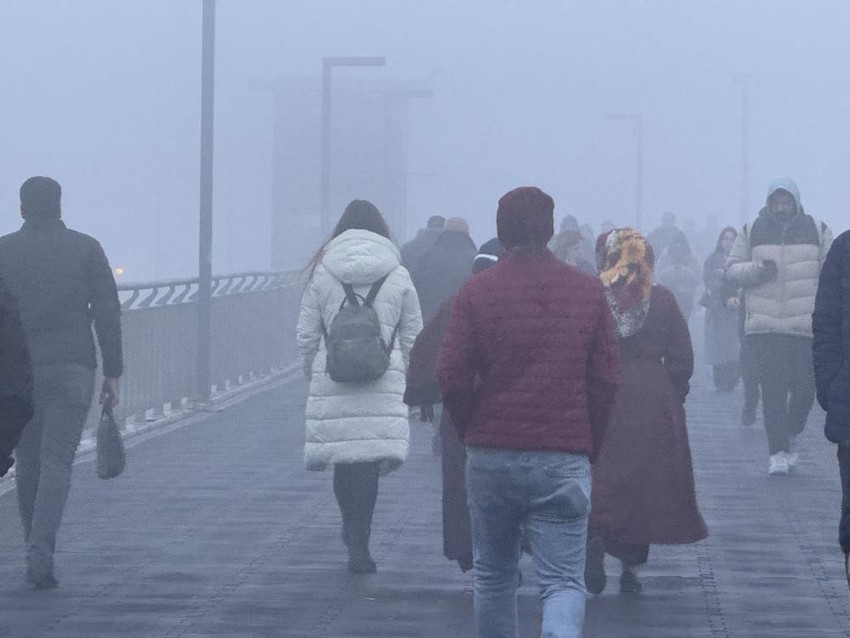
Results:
[253, 334]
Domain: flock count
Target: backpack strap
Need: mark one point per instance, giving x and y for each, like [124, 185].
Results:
[350, 296]
[373, 291]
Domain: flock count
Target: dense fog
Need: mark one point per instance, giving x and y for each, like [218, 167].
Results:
[104, 96]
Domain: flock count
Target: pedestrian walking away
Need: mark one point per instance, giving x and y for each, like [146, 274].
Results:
[359, 427]
[831, 351]
[62, 281]
[422, 243]
[528, 371]
[643, 480]
[777, 259]
[424, 392]
[721, 302]
[443, 269]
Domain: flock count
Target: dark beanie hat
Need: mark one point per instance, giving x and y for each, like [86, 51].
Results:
[41, 198]
[488, 255]
[436, 221]
[525, 218]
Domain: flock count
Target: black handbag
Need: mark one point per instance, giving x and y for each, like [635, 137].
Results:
[111, 456]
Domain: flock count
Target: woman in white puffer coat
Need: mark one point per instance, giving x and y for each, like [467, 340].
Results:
[360, 429]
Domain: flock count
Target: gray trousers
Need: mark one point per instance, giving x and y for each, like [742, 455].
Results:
[45, 454]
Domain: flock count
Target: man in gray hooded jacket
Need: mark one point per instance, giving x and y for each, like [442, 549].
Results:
[777, 260]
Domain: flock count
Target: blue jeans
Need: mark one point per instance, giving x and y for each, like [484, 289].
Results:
[548, 492]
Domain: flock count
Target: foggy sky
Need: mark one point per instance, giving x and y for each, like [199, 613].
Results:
[105, 97]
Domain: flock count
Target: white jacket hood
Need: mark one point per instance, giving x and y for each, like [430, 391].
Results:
[360, 257]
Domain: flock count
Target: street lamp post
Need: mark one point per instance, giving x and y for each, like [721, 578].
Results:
[203, 375]
[397, 114]
[327, 66]
[744, 80]
[637, 118]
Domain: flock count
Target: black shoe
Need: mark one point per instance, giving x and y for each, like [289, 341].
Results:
[748, 415]
[629, 583]
[362, 565]
[40, 573]
[594, 567]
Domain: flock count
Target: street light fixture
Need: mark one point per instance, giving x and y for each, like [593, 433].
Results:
[637, 118]
[327, 66]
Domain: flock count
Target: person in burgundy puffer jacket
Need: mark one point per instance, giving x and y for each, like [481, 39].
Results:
[528, 371]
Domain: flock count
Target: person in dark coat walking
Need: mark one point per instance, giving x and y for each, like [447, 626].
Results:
[15, 379]
[528, 371]
[643, 481]
[423, 392]
[425, 238]
[441, 271]
[722, 340]
[62, 282]
[831, 357]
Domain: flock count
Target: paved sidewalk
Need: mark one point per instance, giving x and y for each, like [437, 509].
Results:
[216, 530]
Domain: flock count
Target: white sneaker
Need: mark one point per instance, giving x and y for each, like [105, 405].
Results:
[792, 458]
[778, 464]
[793, 453]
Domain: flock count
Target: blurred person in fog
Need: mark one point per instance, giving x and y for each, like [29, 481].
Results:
[438, 275]
[62, 282]
[677, 270]
[831, 350]
[662, 235]
[424, 392]
[748, 366]
[422, 243]
[15, 379]
[643, 481]
[569, 246]
[777, 260]
[361, 430]
[528, 371]
[722, 342]
[443, 268]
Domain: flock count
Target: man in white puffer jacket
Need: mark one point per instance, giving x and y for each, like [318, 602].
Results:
[361, 429]
[777, 261]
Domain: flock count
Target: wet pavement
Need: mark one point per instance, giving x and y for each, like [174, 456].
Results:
[215, 529]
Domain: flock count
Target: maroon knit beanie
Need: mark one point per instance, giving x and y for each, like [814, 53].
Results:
[525, 218]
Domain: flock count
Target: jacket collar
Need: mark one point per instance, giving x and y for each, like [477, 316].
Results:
[40, 225]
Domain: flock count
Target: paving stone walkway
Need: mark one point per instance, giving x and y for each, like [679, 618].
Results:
[215, 529]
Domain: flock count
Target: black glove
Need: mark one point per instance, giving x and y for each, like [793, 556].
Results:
[769, 271]
[6, 462]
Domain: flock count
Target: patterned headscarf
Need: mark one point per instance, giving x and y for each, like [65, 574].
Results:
[626, 265]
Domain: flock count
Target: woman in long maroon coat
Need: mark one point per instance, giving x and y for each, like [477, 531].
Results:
[643, 484]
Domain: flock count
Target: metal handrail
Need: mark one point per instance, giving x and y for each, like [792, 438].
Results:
[164, 292]
[253, 334]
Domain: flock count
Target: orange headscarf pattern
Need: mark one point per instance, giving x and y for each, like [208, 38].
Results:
[626, 267]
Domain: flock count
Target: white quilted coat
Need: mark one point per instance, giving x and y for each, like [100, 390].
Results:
[349, 423]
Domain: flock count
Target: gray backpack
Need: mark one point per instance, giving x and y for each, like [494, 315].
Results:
[357, 352]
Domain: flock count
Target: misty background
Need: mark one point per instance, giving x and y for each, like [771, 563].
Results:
[104, 96]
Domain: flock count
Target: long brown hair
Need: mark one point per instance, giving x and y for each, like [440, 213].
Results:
[360, 214]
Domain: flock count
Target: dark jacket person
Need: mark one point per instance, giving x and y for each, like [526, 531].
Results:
[62, 282]
[15, 379]
[831, 348]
